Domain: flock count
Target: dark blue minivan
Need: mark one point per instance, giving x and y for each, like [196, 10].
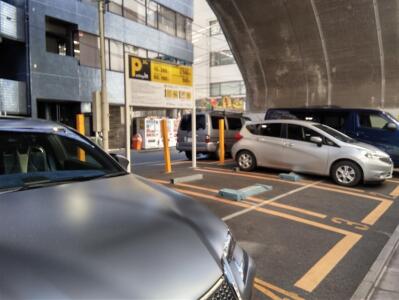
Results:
[371, 126]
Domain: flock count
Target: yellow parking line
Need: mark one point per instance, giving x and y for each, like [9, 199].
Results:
[267, 292]
[323, 267]
[209, 197]
[370, 219]
[297, 209]
[395, 192]
[267, 211]
[376, 214]
[216, 162]
[268, 285]
[257, 200]
[242, 174]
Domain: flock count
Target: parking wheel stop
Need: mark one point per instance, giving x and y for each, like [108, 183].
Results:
[187, 178]
[290, 176]
[242, 194]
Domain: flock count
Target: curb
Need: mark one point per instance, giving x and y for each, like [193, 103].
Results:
[370, 282]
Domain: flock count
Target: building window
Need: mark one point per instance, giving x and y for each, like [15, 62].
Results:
[180, 26]
[215, 89]
[135, 10]
[167, 20]
[230, 88]
[60, 36]
[189, 29]
[91, 2]
[152, 14]
[89, 50]
[116, 56]
[115, 6]
[227, 88]
[152, 54]
[224, 57]
[140, 52]
[214, 28]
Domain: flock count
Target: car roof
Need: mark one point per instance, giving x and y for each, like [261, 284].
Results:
[323, 108]
[18, 123]
[285, 121]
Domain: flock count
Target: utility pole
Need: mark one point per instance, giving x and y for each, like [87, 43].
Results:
[104, 101]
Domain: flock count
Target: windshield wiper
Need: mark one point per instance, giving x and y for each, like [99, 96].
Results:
[27, 186]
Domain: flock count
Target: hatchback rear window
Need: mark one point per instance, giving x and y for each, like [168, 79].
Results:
[273, 130]
[185, 123]
[234, 123]
[215, 122]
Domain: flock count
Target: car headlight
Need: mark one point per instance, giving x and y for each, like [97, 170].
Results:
[373, 155]
[229, 246]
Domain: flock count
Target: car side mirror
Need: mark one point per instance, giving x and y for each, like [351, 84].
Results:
[317, 140]
[122, 160]
[391, 126]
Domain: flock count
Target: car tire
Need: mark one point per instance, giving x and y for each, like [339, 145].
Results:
[189, 155]
[246, 160]
[346, 173]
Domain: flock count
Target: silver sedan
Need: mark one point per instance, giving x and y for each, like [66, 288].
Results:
[310, 147]
[75, 225]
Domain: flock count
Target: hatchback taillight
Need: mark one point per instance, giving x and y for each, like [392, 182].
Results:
[238, 136]
[207, 139]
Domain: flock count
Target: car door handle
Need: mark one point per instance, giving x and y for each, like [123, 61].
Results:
[289, 145]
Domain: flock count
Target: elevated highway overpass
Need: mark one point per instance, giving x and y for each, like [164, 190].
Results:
[314, 52]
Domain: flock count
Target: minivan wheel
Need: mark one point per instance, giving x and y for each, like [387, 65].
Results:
[189, 155]
[246, 160]
[346, 173]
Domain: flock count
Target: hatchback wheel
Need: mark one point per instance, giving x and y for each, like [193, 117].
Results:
[246, 160]
[346, 173]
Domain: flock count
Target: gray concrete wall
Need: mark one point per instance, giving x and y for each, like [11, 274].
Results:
[315, 52]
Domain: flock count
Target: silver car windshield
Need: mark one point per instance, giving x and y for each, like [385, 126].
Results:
[336, 134]
[37, 159]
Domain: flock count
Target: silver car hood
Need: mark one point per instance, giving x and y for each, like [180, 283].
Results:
[364, 146]
[121, 237]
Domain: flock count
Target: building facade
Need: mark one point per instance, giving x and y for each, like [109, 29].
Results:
[58, 68]
[216, 74]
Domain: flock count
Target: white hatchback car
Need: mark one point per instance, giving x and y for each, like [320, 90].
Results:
[310, 147]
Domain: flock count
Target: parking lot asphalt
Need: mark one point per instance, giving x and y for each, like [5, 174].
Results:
[310, 239]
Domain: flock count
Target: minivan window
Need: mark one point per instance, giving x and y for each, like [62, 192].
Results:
[335, 133]
[372, 120]
[185, 123]
[215, 122]
[273, 130]
[275, 114]
[234, 123]
[334, 120]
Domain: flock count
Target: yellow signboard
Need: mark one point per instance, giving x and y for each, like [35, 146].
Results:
[171, 74]
[161, 72]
